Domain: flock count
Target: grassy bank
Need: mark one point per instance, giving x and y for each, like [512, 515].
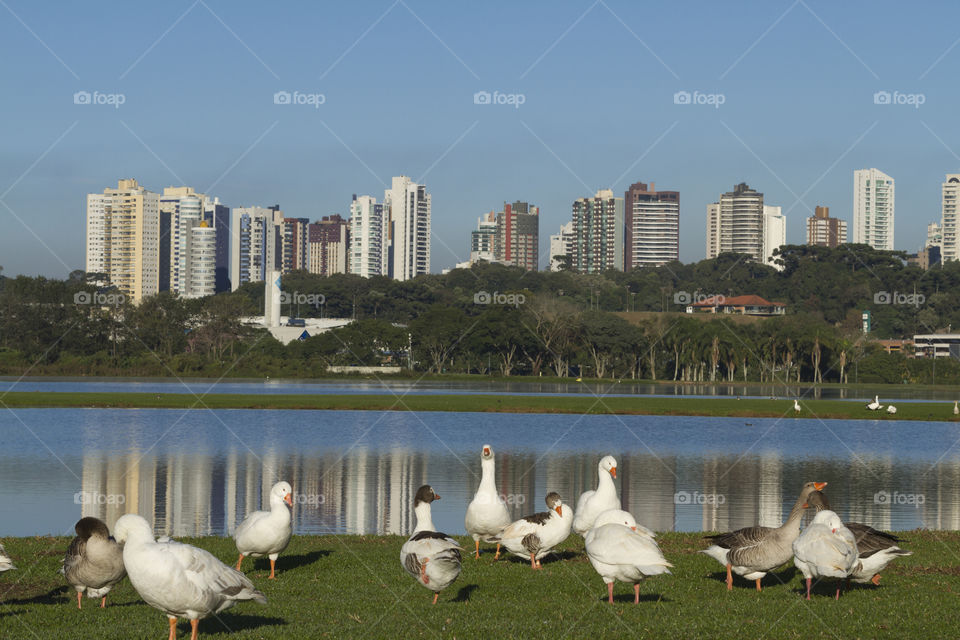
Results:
[724, 407]
[353, 586]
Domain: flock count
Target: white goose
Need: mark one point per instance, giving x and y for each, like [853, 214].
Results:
[826, 549]
[593, 503]
[6, 564]
[536, 535]
[956, 408]
[891, 409]
[873, 406]
[94, 561]
[487, 514]
[179, 579]
[796, 406]
[267, 533]
[433, 558]
[620, 549]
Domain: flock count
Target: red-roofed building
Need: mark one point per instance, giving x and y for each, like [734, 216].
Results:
[742, 305]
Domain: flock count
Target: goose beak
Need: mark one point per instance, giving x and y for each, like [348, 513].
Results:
[819, 486]
[559, 510]
[613, 472]
[806, 505]
[436, 496]
[288, 499]
[634, 528]
[486, 451]
[834, 530]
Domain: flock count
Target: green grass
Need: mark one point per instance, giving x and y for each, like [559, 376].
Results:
[729, 407]
[353, 586]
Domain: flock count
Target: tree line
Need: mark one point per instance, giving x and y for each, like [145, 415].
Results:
[498, 320]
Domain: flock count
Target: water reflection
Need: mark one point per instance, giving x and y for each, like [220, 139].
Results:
[201, 472]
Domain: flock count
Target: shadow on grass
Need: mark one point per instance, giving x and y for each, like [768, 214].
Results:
[627, 598]
[229, 623]
[463, 595]
[827, 587]
[772, 579]
[553, 556]
[288, 563]
[57, 595]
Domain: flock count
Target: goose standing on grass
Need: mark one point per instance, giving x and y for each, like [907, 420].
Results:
[956, 408]
[873, 406]
[6, 564]
[94, 561]
[487, 514]
[891, 409]
[593, 503]
[267, 533]
[752, 552]
[433, 558]
[536, 535]
[179, 579]
[877, 548]
[826, 549]
[620, 549]
[796, 406]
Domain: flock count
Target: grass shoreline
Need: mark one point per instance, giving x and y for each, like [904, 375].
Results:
[353, 586]
[484, 403]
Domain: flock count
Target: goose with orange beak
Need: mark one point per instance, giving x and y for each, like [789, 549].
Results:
[620, 549]
[752, 552]
[536, 535]
[267, 533]
[592, 503]
[429, 556]
[487, 514]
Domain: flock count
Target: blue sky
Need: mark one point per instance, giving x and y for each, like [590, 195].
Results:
[398, 78]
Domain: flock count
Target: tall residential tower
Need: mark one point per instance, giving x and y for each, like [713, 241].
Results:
[873, 208]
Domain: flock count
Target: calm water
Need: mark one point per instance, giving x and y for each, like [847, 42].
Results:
[385, 385]
[198, 472]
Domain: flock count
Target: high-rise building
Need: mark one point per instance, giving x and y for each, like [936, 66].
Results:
[180, 207]
[409, 207]
[294, 245]
[483, 239]
[599, 231]
[255, 244]
[218, 217]
[329, 242]
[873, 208]
[518, 235]
[123, 238]
[561, 247]
[824, 231]
[950, 220]
[200, 249]
[652, 221]
[774, 233]
[369, 238]
[735, 223]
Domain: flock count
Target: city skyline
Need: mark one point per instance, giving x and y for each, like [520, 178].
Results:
[306, 128]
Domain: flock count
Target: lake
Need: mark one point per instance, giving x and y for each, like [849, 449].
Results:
[197, 472]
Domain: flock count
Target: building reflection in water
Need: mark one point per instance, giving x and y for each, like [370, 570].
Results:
[367, 491]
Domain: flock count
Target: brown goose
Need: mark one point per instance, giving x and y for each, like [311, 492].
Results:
[94, 562]
[877, 548]
[752, 552]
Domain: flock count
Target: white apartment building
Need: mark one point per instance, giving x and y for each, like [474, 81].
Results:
[949, 226]
[774, 233]
[561, 244]
[254, 244]
[369, 237]
[409, 207]
[735, 223]
[483, 239]
[123, 238]
[180, 208]
[200, 249]
[873, 208]
[598, 227]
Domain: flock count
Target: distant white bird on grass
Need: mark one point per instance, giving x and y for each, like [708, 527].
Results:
[796, 406]
[891, 409]
[6, 564]
[179, 579]
[267, 533]
[873, 406]
[620, 549]
[956, 408]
